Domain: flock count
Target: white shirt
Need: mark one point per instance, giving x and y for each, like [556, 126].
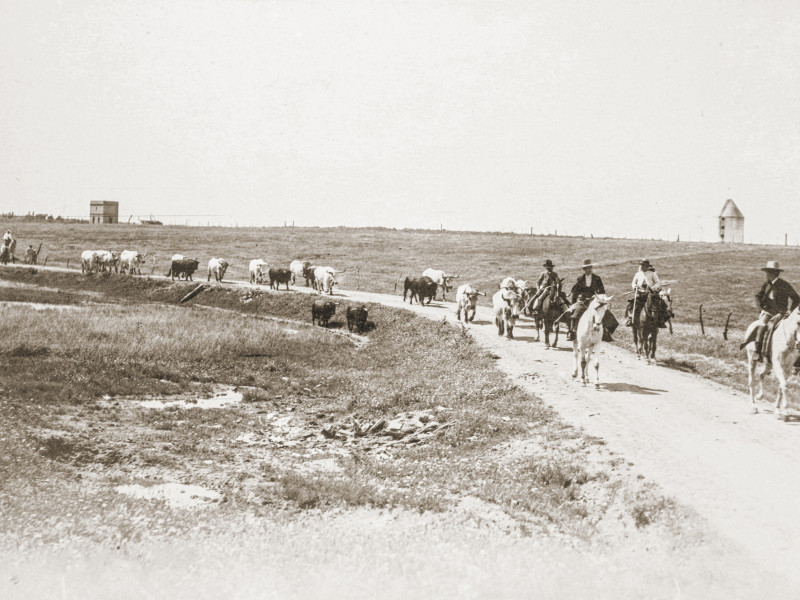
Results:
[646, 277]
[772, 289]
[7, 236]
[588, 280]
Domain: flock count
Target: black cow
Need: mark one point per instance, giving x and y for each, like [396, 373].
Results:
[322, 311]
[420, 288]
[186, 267]
[357, 317]
[308, 274]
[279, 276]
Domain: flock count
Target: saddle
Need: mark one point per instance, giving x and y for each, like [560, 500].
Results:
[766, 347]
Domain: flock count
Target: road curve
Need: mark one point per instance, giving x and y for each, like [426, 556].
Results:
[694, 437]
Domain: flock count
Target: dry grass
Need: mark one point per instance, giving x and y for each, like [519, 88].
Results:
[62, 450]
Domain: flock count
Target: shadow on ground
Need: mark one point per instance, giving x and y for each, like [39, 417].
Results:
[631, 388]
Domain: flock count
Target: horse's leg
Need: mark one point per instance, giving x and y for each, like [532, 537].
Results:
[596, 370]
[584, 361]
[780, 402]
[764, 372]
[557, 328]
[636, 340]
[751, 382]
[653, 345]
[575, 354]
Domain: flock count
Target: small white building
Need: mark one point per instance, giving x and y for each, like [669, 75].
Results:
[731, 223]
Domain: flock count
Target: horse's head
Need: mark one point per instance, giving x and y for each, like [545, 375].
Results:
[666, 301]
[599, 306]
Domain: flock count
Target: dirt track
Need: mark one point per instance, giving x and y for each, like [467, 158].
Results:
[693, 437]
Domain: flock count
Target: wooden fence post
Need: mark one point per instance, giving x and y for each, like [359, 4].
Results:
[68, 263]
[702, 329]
[725, 331]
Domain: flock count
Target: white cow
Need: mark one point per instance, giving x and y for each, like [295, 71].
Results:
[528, 291]
[325, 279]
[107, 260]
[302, 269]
[89, 261]
[131, 261]
[440, 278]
[507, 305]
[178, 257]
[509, 283]
[466, 301]
[217, 266]
[258, 270]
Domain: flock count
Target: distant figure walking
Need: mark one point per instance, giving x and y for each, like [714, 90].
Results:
[7, 250]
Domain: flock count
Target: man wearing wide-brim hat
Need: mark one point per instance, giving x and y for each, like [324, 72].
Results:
[548, 276]
[776, 296]
[645, 279]
[582, 292]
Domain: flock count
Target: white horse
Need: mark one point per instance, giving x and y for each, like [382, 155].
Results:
[588, 335]
[785, 345]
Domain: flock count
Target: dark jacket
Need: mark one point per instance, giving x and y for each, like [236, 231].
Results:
[546, 278]
[783, 293]
[580, 287]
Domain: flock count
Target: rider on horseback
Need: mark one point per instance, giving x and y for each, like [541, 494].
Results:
[546, 281]
[582, 292]
[645, 279]
[773, 299]
[7, 239]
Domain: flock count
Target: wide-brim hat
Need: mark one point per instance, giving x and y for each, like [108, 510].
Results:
[548, 263]
[772, 265]
[587, 263]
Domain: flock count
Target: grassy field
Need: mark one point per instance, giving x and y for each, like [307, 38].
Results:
[723, 278]
[72, 378]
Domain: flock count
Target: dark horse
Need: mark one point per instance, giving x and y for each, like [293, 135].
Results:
[553, 306]
[657, 310]
[7, 252]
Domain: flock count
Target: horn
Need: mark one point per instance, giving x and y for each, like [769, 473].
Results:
[481, 293]
[608, 298]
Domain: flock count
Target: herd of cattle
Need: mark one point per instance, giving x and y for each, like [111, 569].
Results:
[508, 303]
[513, 298]
[130, 261]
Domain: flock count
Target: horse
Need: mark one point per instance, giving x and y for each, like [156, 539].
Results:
[588, 335]
[7, 252]
[785, 348]
[553, 306]
[657, 309]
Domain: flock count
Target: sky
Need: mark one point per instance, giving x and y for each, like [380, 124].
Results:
[620, 118]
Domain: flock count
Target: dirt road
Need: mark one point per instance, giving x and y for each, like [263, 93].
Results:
[692, 436]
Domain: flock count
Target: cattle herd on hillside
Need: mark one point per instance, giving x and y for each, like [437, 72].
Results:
[509, 303]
